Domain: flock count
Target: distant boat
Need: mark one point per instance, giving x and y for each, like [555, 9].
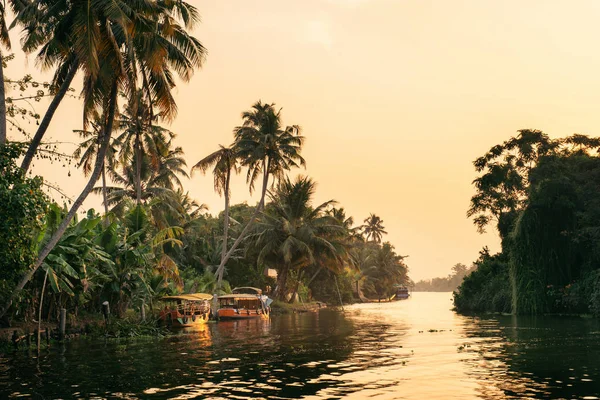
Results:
[186, 310]
[402, 292]
[244, 303]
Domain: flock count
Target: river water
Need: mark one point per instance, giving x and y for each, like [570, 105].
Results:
[411, 349]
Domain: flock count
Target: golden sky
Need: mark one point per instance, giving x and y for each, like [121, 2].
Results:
[396, 99]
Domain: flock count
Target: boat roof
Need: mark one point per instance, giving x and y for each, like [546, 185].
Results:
[240, 296]
[189, 297]
[249, 288]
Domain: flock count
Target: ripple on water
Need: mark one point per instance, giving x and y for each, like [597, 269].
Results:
[372, 350]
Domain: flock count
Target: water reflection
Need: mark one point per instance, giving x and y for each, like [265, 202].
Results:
[410, 349]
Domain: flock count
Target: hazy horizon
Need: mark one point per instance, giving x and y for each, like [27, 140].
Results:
[396, 99]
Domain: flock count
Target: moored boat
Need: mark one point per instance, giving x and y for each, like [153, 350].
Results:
[186, 310]
[402, 292]
[243, 303]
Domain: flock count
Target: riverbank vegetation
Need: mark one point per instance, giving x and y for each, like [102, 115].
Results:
[541, 195]
[152, 239]
[445, 284]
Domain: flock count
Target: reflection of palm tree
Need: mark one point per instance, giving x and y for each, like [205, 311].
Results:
[293, 235]
[223, 162]
[373, 228]
[266, 148]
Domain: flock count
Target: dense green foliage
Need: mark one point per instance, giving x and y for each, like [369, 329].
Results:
[153, 239]
[22, 211]
[544, 196]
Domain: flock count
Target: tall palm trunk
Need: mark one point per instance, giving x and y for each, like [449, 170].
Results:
[225, 224]
[104, 195]
[104, 143]
[281, 282]
[259, 207]
[296, 287]
[2, 105]
[314, 276]
[45, 123]
[138, 170]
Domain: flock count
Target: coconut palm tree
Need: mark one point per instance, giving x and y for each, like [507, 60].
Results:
[266, 148]
[141, 138]
[77, 35]
[373, 228]
[99, 35]
[291, 234]
[87, 150]
[223, 161]
[158, 181]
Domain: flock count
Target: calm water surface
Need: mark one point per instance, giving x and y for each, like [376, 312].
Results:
[413, 349]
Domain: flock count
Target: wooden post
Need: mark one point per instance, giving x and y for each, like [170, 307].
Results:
[15, 336]
[62, 324]
[106, 312]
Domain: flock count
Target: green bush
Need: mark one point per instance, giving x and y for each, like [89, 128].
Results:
[487, 289]
[22, 208]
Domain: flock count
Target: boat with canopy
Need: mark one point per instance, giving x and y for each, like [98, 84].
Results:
[244, 303]
[186, 310]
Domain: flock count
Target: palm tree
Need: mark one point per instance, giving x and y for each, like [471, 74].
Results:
[155, 182]
[292, 234]
[87, 150]
[264, 147]
[389, 270]
[98, 35]
[373, 228]
[78, 35]
[223, 162]
[141, 138]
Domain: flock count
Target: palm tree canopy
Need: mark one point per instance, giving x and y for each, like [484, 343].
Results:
[293, 231]
[373, 228]
[138, 40]
[262, 142]
[222, 161]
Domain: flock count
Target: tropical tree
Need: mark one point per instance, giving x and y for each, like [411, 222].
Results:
[223, 161]
[373, 228]
[100, 35]
[389, 269]
[291, 234]
[141, 139]
[158, 180]
[265, 147]
[79, 35]
[24, 205]
[87, 150]
[501, 190]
